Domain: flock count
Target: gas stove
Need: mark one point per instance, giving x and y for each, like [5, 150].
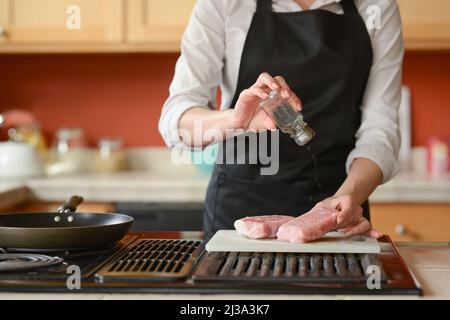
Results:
[157, 262]
[32, 267]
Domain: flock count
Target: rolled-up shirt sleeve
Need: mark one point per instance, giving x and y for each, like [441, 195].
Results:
[378, 137]
[198, 71]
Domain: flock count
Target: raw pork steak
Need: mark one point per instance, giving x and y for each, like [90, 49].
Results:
[259, 227]
[310, 226]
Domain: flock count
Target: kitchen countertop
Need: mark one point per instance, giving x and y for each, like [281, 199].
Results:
[414, 187]
[187, 185]
[430, 264]
[156, 178]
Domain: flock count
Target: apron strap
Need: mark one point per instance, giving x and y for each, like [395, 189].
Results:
[264, 6]
[349, 6]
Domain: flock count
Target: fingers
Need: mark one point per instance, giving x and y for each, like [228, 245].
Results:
[350, 219]
[296, 102]
[285, 90]
[261, 122]
[374, 234]
[349, 210]
[252, 92]
[269, 123]
[288, 94]
[266, 81]
[361, 226]
[358, 225]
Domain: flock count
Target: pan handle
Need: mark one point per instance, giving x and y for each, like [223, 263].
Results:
[71, 204]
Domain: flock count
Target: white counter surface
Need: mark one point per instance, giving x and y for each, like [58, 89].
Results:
[187, 186]
[414, 187]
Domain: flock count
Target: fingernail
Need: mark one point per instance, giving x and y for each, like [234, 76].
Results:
[286, 93]
[265, 95]
[298, 105]
[275, 85]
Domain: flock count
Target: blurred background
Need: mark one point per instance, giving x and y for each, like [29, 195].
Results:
[88, 97]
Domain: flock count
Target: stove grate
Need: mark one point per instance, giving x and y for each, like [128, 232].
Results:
[292, 267]
[152, 260]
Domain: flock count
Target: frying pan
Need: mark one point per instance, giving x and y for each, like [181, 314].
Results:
[64, 229]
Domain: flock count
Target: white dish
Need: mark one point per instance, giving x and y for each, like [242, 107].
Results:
[19, 160]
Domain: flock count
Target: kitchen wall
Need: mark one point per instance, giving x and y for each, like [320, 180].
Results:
[107, 94]
[121, 94]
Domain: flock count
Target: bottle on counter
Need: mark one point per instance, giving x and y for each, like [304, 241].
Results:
[22, 127]
[110, 156]
[69, 153]
[438, 156]
[32, 135]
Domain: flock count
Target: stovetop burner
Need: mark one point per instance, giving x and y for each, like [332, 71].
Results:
[18, 264]
[26, 261]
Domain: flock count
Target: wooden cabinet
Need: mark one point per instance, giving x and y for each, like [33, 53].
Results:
[412, 222]
[31, 22]
[426, 24]
[106, 25]
[157, 23]
[4, 20]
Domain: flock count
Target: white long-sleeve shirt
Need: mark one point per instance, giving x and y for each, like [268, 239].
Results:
[211, 51]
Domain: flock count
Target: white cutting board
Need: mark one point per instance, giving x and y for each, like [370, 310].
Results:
[333, 242]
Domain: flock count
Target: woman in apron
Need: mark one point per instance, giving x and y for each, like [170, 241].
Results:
[342, 70]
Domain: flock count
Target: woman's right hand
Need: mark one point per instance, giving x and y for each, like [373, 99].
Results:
[248, 115]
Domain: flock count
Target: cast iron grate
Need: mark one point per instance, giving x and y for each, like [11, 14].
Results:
[292, 267]
[152, 260]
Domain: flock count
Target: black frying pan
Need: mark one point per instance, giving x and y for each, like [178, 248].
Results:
[65, 229]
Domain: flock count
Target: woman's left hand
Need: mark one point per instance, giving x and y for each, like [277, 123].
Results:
[350, 219]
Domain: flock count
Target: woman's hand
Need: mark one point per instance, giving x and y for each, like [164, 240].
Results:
[350, 219]
[248, 115]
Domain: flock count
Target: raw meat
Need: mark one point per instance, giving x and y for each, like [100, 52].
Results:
[310, 226]
[259, 227]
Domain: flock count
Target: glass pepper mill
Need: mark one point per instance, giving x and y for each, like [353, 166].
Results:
[287, 118]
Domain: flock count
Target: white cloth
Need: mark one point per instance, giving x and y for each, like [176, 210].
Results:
[210, 57]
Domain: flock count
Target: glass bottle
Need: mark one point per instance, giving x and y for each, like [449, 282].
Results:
[69, 139]
[69, 153]
[287, 118]
[110, 157]
[30, 134]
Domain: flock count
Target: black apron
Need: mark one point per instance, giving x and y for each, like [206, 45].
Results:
[326, 59]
